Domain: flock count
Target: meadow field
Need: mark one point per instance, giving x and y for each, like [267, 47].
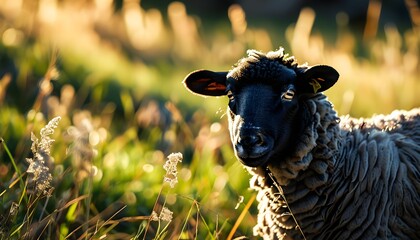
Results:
[100, 140]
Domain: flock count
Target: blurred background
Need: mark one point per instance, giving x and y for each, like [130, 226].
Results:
[112, 69]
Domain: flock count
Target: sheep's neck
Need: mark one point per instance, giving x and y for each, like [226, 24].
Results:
[315, 151]
[299, 182]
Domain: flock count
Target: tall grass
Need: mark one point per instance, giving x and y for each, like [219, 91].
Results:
[105, 169]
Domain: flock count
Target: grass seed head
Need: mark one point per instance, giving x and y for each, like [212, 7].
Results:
[171, 170]
[38, 165]
[166, 214]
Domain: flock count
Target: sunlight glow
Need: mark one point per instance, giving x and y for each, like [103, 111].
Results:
[12, 37]
[237, 19]
[47, 11]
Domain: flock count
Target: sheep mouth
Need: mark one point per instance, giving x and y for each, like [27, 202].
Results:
[257, 156]
[254, 162]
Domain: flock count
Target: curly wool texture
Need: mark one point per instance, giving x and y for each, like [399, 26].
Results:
[348, 179]
[264, 68]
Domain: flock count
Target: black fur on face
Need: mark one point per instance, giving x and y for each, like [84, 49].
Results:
[261, 110]
[263, 106]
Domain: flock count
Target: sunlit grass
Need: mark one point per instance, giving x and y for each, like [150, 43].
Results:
[114, 78]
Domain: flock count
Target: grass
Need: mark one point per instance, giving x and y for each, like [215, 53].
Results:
[115, 83]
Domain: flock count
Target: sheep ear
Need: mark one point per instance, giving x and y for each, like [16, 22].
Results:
[206, 83]
[317, 79]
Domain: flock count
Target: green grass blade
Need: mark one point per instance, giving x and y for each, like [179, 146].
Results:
[10, 156]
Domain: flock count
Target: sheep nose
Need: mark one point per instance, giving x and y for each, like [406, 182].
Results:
[251, 140]
[252, 146]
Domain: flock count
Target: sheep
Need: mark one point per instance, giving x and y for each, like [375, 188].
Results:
[318, 176]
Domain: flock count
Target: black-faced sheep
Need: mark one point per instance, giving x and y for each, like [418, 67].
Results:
[318, 176]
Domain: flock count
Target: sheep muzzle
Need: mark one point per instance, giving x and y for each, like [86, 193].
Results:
[252, 147]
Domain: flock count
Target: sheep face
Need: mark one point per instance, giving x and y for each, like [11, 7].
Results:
[254, 113]
[264, 101]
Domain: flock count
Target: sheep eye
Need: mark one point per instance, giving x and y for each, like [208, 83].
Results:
[288, 95]
[230, 95]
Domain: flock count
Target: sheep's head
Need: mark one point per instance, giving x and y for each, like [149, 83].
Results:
[265, 94]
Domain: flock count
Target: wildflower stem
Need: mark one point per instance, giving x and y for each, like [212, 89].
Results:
[205, 224]
[198, 214]
[162, 233]
[158, 232]
[154, 207]
[186, 220]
